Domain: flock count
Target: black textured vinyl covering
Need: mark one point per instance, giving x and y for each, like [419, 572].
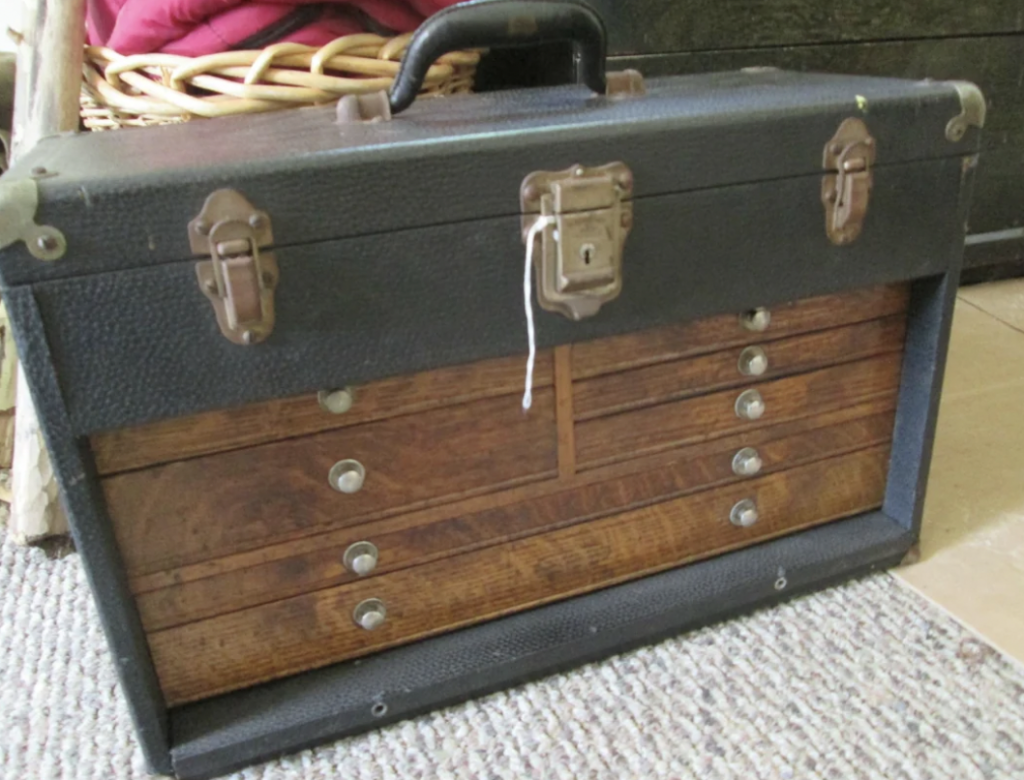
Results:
[124, 200]
[354, 310]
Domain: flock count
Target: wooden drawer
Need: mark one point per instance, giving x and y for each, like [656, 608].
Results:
[191, 593]
[217, 505]
[235, 541]
[248, 646]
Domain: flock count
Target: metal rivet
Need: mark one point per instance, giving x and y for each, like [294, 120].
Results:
[756, 319]
[248, 336]
[47, 243]
[747, 462]
[744, 514]
[837, 149]
[336, 401]
[753, 361]
[203, 228]
[347, 476]
[750, 405]
[578, 171]
[210, 286]
[256, 221]
[370, 614]
[361, 558]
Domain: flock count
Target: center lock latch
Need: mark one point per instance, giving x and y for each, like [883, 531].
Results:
[589, 211]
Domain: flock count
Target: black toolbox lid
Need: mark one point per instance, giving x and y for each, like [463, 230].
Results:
[124, 199]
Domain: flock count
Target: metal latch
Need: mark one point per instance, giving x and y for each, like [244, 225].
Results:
[238, 278]
[579, 266]
[846, 188]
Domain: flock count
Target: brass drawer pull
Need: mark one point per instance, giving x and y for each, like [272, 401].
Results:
[747, 462]
[361, 558]
[744, 514]
[756, 319]
[750, 405]
[347, 476]
[370, 614]
[336, 401]
[753, 361]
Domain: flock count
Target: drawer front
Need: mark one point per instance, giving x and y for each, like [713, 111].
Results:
[193, 593]
[608, 439]
[677, 379]
[210, 507]
[245, 647]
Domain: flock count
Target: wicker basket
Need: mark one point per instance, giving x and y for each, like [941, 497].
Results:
[155, 89]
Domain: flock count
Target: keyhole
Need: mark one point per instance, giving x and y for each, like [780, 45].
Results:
[585, 252]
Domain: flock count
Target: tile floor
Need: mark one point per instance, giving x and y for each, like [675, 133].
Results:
[972, 544]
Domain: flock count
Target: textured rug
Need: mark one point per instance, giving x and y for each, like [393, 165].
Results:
[862, 681]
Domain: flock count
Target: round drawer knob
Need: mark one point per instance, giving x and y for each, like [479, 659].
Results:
[336, 401]
[753, 361]
[370, 614]
[744, 514]
[361, 558]
[747, 462]
[750, 405]
[347, 476]
[756, 319]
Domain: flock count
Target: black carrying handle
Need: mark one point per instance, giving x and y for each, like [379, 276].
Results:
[499, 23]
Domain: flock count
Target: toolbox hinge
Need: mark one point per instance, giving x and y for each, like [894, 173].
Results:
[239, 278]
[846, 188]
[589, 212]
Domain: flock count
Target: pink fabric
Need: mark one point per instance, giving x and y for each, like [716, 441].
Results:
[195, 27]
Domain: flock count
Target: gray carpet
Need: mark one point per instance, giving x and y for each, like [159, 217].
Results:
[863, 681]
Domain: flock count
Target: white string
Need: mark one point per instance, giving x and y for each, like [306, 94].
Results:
[531, 239]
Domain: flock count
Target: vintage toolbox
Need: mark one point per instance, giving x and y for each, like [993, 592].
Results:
[280, 363]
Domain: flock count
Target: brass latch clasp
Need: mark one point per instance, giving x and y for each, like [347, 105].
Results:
[579, 266]
[239, 279]
[845, 190]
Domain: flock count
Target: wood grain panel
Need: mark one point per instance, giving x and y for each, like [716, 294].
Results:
[564, 412]
[213, 506]
[268, 555]
[662, 382]
[316, 565]
[675, 424]
[230, 429]
[244, 648]
[712, 334]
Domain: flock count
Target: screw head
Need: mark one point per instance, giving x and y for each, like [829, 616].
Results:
[756, 319]
[361, 558]
[744, 513]
[753, 361]
[347, 476]
[370, 614]
[747, 462]
[750, 405]
[336, 401]
[47, 243]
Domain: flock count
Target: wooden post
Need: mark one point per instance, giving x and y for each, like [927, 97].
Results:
[50, 36]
